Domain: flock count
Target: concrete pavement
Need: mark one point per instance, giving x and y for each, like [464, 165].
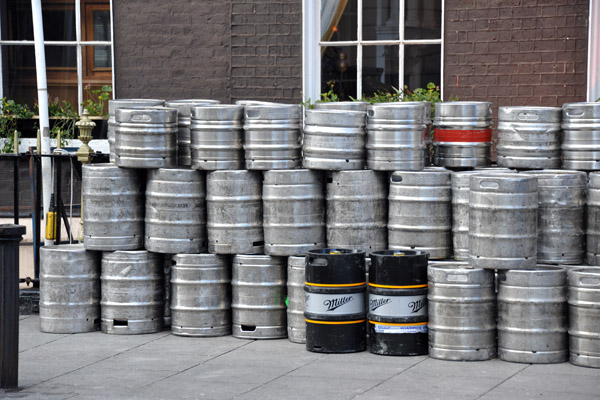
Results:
[163, 366]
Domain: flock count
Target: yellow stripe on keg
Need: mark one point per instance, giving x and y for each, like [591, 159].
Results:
[392, 324]
[398, 287]
[358, 321]
[335, 285]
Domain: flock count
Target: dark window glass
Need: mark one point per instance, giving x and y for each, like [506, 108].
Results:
[380, 69]
[338, 70]
[102, 55]
[58, 18]
[421, 65]
[380, 20]
[423, 19]
[338, 20]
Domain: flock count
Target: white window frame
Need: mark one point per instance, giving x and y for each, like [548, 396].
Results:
[311, 47]
[78, 43]
[593, 70]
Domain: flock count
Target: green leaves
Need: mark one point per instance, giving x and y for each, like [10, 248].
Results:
[96, 100]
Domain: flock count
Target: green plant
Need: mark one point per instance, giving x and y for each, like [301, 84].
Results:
[96, 100]
[10, 112]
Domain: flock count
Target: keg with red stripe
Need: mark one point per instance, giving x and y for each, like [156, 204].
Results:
[462, 133]
[335, 301]
[398, 303]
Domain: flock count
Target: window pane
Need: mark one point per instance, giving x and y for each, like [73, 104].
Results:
[421, 65]
[19, 25]
[61, 56]
[423, 19]
[380, 69]
[102, 57]
[18, 67]
[59, 22]
[380, 20]
[101, 22]
[338, 68]
[338, 20]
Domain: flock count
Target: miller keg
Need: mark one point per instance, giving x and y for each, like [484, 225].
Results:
[357, 210]
[272, 136]
[216, 137]
[529, 137]
[532, 315]
[462, 312]
[184, 138]
[113, 105]
[296, 325]
[293, 211]
[167, 289]
[113, 207]
[503, 221]
[200, 295]
[462, 133]
[69, 289]
[335, 301]
[132, 287]
[593, 219]
[234, 212]
[581, 136]
[146, 137]
[561, 207]
[334, 140]
[420, 212]
[398, 303]
[584, 316]
[175, 211]
[397, 136]
[258, 297]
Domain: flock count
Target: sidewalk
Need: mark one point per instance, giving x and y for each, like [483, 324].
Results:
[163, 366]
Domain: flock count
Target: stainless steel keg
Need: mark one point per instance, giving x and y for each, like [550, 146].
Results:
[217, 137]
[462, 133]
[258, 293]
[593, 219]
[272, 136]
[296, 325]
[420, 212]
[584, 316]
[529, 137]
[113, 207]
[293, 211]
[357, 210]
[234, 212]
[69, 289]
[175, 211]
[581, 136]
[201, 295]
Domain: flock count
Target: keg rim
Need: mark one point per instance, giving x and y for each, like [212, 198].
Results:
[192, 101]
[402, 253]
[64, 247]
[332, 251]
[533, 108]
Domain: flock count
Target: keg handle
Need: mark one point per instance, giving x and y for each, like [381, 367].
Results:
[140, 116]
[589, 281]
[574, 112]
[317, 262]
[457, 278]
[252, 114]
[489, 185]
[396, 178]
[528, 116]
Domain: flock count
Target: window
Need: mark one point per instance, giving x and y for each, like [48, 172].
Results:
[360, 47]
[78, 46]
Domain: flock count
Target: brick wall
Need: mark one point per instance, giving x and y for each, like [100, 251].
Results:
[172, 49]
[266, 50]
[516, 52]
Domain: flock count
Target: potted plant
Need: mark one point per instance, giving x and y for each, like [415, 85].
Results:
[96, 104]
[11, 114]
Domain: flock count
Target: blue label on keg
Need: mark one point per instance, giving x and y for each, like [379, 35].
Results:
[397, 328]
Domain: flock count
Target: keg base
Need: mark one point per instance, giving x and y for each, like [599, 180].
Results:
[462, 354]
[131, 327]
[581, 165]
[531, 357]
[593, 259]
[344, 338]
[265, 165]
[175, 246]
[286, 250]
[462, 162]
[413, 165]
[145, 163]
[528, 162]
[258, 332]
[584, 360]
[68, 325]
[211, 165]
[228, 248]
[502, 263]
[296, 335]
[113, 243]
[442, 253]
[397, 344]
[200, 332]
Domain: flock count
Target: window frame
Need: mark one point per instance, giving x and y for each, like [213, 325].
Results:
[312, 44]
[79, 43]
[593, 67]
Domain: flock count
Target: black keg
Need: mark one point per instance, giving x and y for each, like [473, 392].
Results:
[398, 303]
[335, 301]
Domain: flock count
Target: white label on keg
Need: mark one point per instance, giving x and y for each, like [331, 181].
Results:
[397, 306]
[335, 304]
[401, 328]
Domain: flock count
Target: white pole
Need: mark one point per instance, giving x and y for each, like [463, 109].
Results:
[40, 68]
